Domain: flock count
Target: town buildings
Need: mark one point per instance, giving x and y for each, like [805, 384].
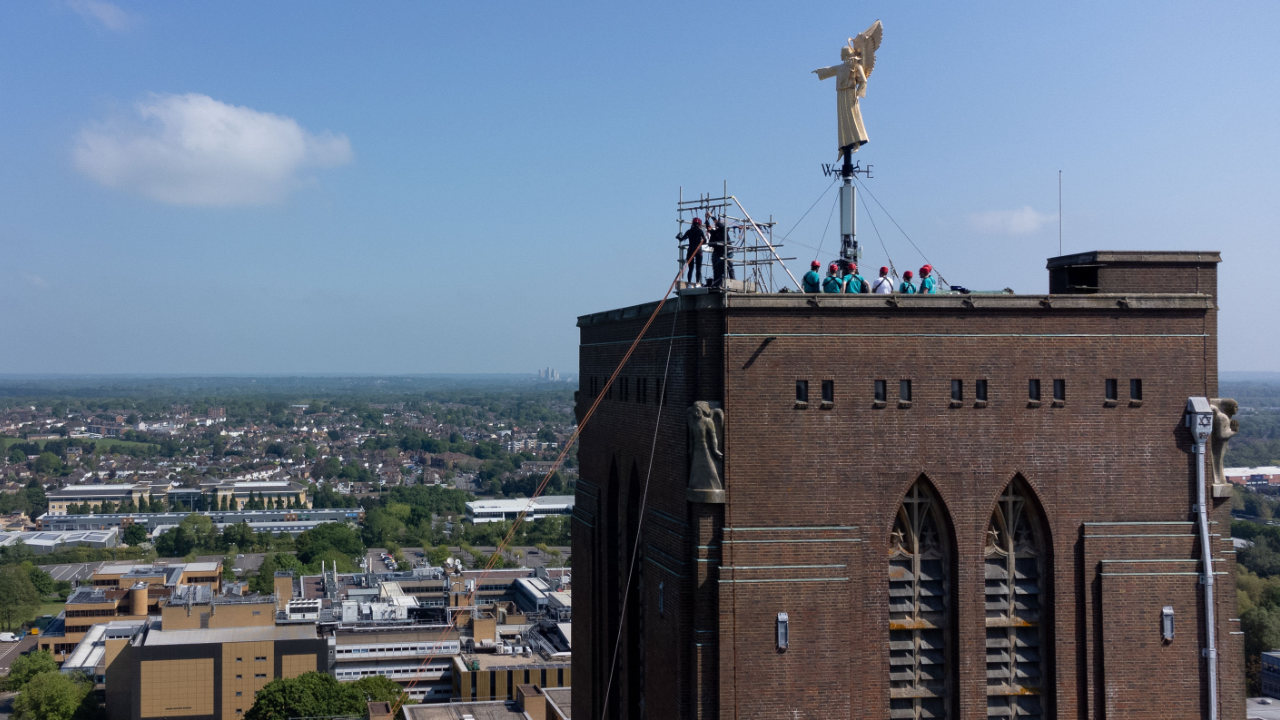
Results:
[223, 494]
[925, 506]
[172, 641]
[483, 511]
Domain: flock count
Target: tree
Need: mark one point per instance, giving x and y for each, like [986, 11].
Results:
[134, 535]
[376, 688]
[336, 536]
[28, 666]
[40, 580]
[48, 464]
[18, 597]
[51, 696]
[16, 455]
[174, 543]
[201, 530]
[312, 694]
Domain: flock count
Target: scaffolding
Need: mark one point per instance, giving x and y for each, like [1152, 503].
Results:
[750, 253]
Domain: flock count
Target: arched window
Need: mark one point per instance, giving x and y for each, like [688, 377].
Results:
[920, 625]
[1016, 593]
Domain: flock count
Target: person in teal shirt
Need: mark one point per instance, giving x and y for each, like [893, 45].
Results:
[833, 282]
[928, 285]
[853, 282]
[907, 286]
[812, 281]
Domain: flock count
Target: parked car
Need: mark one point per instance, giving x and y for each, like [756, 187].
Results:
[9, 637]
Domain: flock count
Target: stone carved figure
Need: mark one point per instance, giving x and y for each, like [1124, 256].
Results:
[706, 458]
[1224, 427]
[857, 60]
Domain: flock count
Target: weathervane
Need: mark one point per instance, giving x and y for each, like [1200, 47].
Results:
[858, 59]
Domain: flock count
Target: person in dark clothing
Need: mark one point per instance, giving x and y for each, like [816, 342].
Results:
[717, 240]
[695, 236]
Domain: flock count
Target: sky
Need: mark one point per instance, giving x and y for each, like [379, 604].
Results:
[422, 187]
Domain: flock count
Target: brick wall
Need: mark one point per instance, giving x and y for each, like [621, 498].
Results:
[812, 493]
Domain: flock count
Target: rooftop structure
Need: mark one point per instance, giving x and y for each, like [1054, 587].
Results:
[993, 492]
[124, 592]
[205, 673]
[483, 511]
[44, 542]
[264, 519]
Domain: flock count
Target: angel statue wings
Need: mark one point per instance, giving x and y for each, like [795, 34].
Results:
[858, 59]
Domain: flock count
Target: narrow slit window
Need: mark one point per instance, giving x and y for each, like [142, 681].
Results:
[1135, 389]
[1033, 389]
[904, 390]
[1060, 390]
[980, 390]
[802, 391]
[1112, 390]
[828, 391]
[957, 391]
[882, 391]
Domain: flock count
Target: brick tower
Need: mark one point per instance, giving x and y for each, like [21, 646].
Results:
[955, 506]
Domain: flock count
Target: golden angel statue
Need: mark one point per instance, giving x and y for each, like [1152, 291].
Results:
[858, 59]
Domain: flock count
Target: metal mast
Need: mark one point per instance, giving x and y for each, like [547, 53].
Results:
[848, 205]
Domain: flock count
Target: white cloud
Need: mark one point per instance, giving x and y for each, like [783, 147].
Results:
[1023, 221]
[106, 14]
[194, 150]
[36, 281]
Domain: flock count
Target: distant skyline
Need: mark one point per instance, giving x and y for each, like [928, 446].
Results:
[325, 188]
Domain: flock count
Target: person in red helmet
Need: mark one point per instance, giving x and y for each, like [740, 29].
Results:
[834, 282]
[855, 283]
[928, 285]
[883, 285]
[812, 281]
[907, 287]
[696, 237]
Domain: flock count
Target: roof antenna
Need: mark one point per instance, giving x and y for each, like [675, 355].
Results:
[1059, 212]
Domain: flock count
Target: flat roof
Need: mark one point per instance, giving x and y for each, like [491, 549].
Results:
[562, 698]
[495, 710]
[86, 488]
[701, 298]
[228, 635]
[494, 661]
[518, 504]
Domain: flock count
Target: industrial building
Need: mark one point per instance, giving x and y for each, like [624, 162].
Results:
[273, 521]
[210, 674]
[483, 511]
[44, 542]
[910, 506]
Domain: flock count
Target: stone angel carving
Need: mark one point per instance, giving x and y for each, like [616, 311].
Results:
[1225, 426]
[706, 457]
[857, 60]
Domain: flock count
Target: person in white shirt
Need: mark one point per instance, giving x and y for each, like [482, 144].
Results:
[883, 284]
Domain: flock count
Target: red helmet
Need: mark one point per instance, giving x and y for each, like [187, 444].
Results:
[815, 264]
[697, 221]
[884, 270]
[907, 275]
[926, 269]
[833, 267]
[854, 266]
